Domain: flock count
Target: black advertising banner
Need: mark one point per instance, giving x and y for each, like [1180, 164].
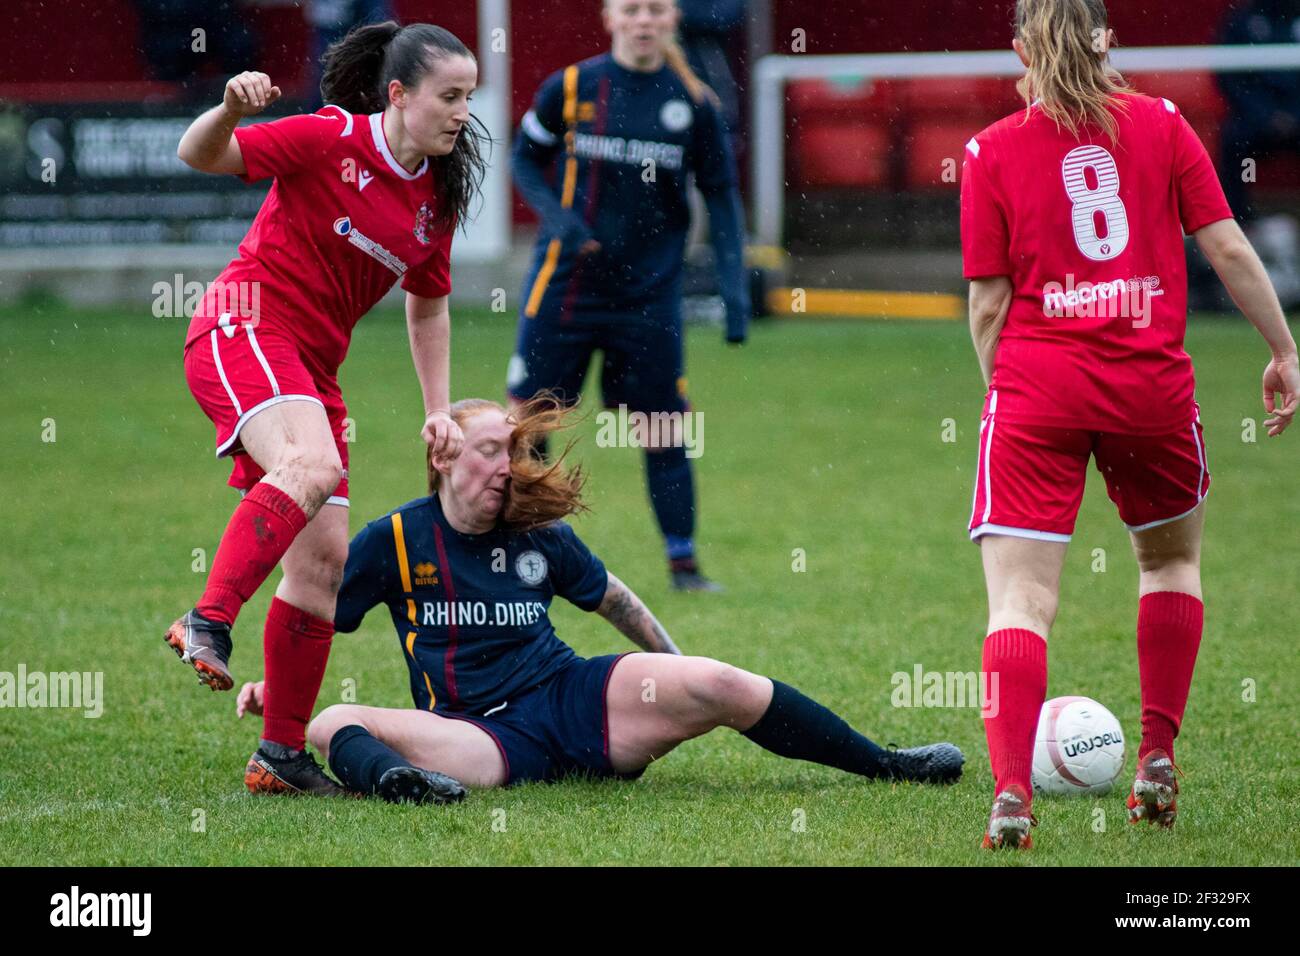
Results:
[107, 174]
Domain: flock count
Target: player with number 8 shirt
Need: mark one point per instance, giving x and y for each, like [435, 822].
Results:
[1073, 214]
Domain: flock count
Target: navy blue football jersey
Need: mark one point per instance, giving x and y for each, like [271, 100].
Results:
[621, 145]
[471, 610]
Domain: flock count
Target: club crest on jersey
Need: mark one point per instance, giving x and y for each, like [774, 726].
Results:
[675, 115]
[342, 225]
[424, 223]
[531, 567]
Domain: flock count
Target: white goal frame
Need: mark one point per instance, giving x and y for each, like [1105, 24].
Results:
[771, 73]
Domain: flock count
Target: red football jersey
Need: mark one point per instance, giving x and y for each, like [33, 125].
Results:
[1090, 233]
[343, 222]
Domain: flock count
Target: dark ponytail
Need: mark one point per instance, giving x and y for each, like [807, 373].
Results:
[357, 71]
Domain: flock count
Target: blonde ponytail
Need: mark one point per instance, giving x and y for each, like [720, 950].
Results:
[1070, 76]
[676, 60]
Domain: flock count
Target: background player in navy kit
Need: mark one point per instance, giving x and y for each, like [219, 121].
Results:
[623, 132]
[468, 574]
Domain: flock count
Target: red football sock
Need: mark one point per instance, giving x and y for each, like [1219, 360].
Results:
[259, 533]
[296, 648]
[1019, 659]
[1168, 637]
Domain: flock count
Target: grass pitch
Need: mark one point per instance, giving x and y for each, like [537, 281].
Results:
[825, 437]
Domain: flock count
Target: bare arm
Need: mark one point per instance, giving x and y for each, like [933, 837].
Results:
[428, 326]
[209, 145]
[990, 300]
[626, 612]
[1237, 264]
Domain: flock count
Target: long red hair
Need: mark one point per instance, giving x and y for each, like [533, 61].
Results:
[540, 491]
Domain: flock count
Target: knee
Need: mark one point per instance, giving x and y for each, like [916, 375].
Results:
[1036, 603]
[322, 472]
[1181, 574]
[329, 722]
[717, 689]
[316, 471]
[1156, 559]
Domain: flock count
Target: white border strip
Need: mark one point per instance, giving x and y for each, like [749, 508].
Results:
[216, 357]
[988, 464]
[257, 350]
[979, 474]
[1155, 524]
[347, 126]
[1200, 481]
[984, 529]
[273, 400]
[381, 144]
[533, 128]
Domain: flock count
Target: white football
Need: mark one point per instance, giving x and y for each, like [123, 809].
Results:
[1079, 748]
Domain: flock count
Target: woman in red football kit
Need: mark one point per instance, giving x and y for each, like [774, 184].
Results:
[367, 191]
[1073, 215]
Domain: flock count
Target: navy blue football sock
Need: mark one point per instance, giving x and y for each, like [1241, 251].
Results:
[672, 495]
[359, 760]
[798, 727]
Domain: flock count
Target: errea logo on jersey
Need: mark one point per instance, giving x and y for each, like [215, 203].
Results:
[426, 574]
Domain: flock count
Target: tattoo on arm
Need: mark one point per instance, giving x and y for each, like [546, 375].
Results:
[628, 613]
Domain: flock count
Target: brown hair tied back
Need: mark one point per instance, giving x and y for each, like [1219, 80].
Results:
[357, 71]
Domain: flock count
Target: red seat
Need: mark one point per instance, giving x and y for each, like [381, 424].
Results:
[837, 154]
[851, 97]
[1194, 92]
[934, 150]
[839, 133]
[982, 96]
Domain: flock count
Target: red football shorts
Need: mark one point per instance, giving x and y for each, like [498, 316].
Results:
[236, 371]
[1031, 477]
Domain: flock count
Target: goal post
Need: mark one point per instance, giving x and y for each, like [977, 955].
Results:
[771, 74]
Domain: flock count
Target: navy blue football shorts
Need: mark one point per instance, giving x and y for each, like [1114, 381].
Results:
[559, 728]
[642, 366]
